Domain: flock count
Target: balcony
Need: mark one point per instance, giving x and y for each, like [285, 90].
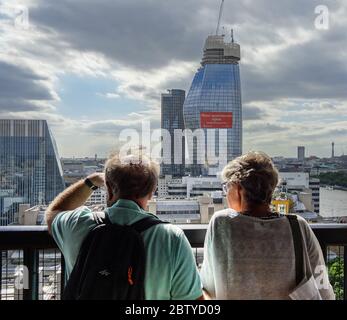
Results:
[31, 250]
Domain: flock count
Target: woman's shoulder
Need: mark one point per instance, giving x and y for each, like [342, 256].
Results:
[305, 227]
[224, 215]
[302, 222]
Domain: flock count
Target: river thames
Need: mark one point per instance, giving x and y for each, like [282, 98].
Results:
[333, 203]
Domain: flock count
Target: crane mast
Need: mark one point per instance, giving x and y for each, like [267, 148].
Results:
[219, 17]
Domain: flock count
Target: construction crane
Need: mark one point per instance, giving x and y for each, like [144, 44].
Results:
[219, 17]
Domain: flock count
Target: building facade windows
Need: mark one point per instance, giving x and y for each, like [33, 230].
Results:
[30, 168]
[215, 90]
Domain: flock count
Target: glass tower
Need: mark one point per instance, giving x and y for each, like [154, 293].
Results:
[213, 105]
[171, 120]
[30, 168]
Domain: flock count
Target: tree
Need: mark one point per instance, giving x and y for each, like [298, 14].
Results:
[336, 276]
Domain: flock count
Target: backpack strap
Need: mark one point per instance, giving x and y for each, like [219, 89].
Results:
[298, 247]
[146, 223]
[101, 217]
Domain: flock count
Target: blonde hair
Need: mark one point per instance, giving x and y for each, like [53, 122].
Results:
[255, 173]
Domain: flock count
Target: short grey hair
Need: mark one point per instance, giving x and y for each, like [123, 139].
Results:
[255, 173]
[132, 176]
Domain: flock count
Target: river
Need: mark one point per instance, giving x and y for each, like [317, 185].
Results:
[333, 203]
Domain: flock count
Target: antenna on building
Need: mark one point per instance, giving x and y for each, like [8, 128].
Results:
[219, 17]
[232, 35]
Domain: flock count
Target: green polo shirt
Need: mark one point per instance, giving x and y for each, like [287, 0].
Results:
[171, 272]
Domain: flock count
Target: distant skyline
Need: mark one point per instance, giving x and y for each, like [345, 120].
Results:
[93, 68]
[276, 156]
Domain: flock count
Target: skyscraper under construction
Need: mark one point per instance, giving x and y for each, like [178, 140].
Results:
[213, 104]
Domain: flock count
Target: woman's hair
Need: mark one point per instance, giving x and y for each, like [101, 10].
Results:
[131, 177]
[255, 173]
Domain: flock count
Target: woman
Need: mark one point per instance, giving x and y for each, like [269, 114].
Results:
[249, 250]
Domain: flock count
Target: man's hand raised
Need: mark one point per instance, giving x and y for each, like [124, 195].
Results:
[73, 197]
[98, 179]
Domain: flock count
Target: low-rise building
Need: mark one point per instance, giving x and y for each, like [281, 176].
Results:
[301, 182]
[187, 187]
[197, 210]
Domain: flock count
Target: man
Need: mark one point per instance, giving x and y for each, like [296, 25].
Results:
[171, 272]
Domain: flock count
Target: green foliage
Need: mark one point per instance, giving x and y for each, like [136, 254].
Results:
[335, 268]
[333, 178]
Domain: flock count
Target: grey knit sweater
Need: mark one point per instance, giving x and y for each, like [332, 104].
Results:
[252, 258]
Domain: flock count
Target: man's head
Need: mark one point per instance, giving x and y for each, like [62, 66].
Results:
[132, 177]
[250, 180]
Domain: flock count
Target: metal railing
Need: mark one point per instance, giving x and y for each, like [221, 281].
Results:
[32, 250]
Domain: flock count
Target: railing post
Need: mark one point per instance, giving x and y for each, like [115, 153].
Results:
[0, 273]
[62, 276]
[31, 261]
[324, 248]
[345, 272]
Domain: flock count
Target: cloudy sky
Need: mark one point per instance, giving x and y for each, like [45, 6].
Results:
[93, 68]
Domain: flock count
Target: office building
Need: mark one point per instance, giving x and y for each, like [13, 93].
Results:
[187, 187]
[314, 185]
[173, 142]
[98, 197]
[30, 168]
[198, 210]
[213, 104]
[301, 153]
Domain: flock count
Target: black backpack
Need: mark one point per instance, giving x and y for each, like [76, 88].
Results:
[111, 262]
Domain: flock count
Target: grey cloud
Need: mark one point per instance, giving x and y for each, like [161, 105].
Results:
[155, 96]
[150, 34]
[21, 89]
[328, 106]
[338, 132]
[252, 113]
[109, 127]
[261, 127]
[143, 34]
[311, 71]
[113, 128]
[137, 88]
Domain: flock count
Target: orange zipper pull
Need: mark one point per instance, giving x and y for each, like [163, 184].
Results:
[130, 272]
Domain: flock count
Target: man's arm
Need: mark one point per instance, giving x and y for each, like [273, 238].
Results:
[73, 197]
[207, 270]
[206, 295]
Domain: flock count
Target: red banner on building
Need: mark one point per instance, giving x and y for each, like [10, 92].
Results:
[216, 120]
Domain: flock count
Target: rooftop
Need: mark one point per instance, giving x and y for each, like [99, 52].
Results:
[217, 51]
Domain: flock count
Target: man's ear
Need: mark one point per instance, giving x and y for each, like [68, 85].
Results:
[110, 193]
[239, 192]
[150, 196]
